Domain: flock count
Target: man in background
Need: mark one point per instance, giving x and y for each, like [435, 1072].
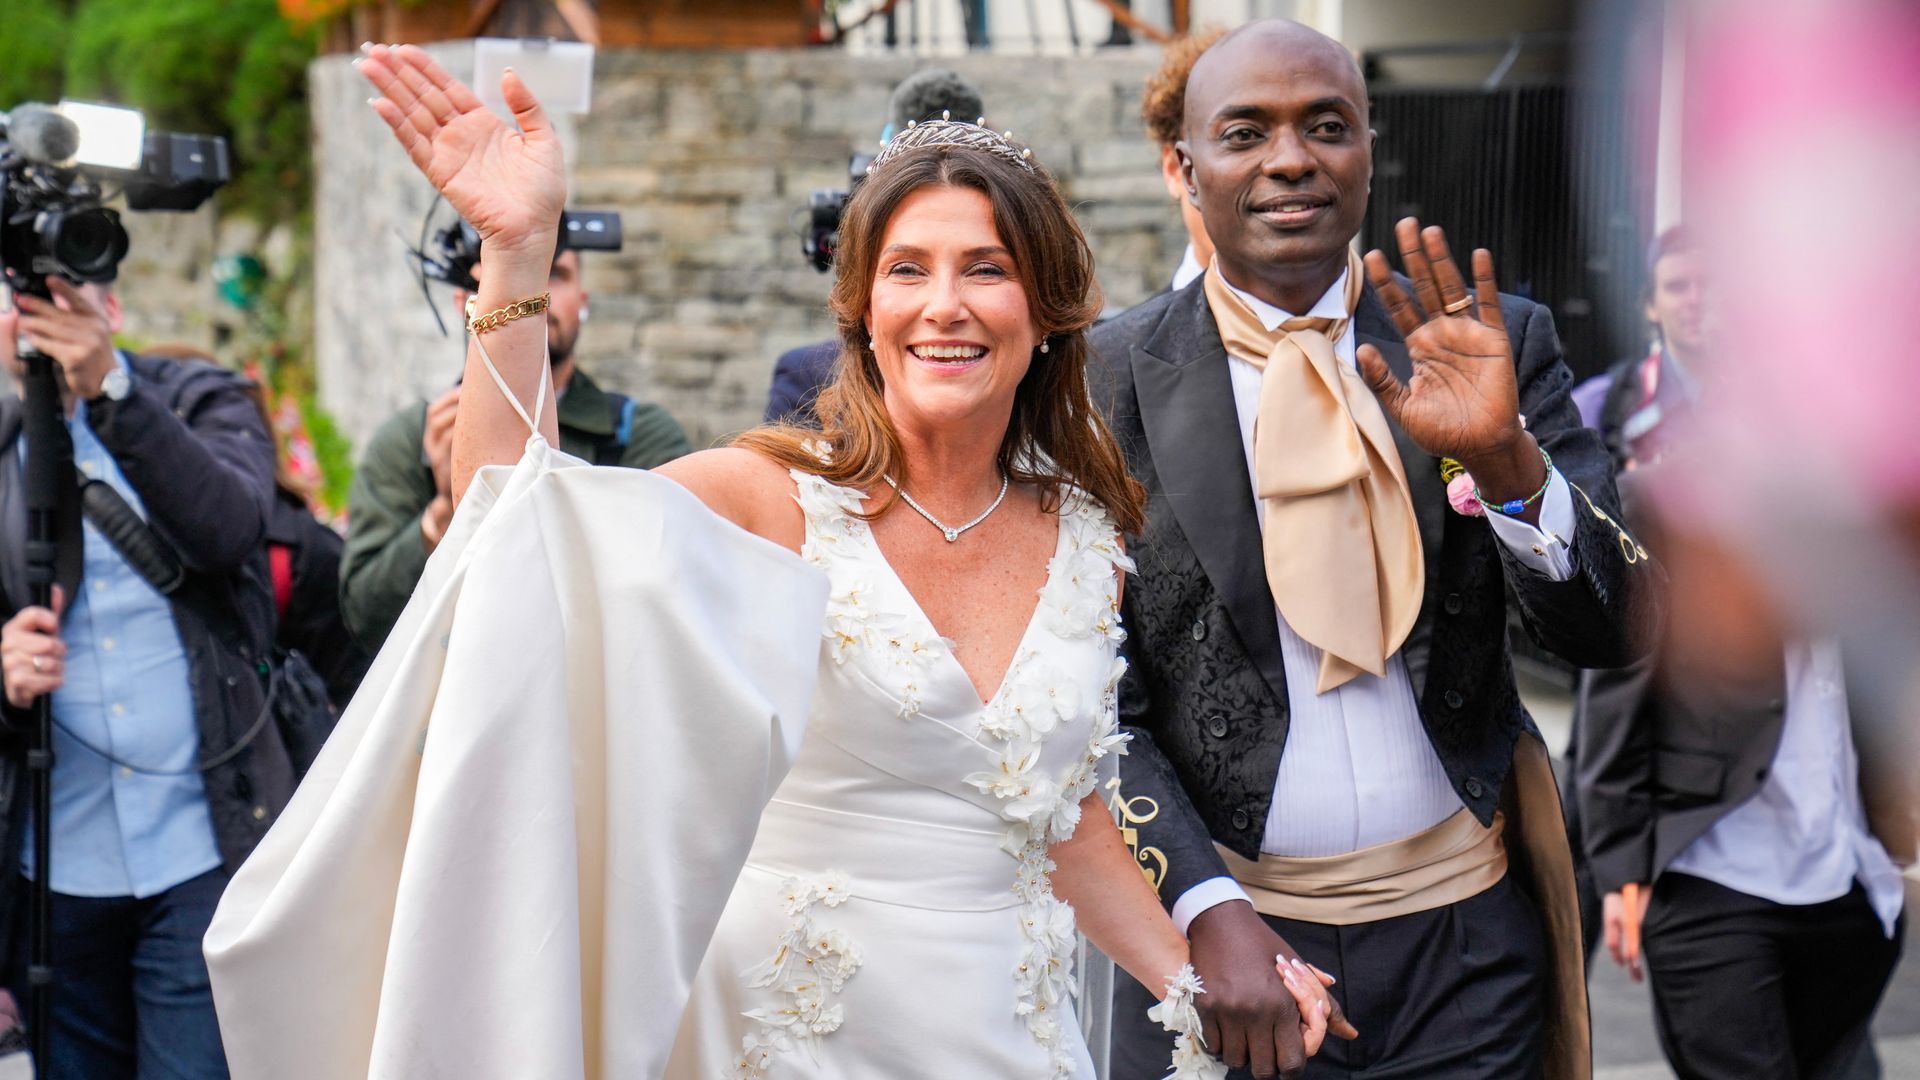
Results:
[402, 496]
[1163, 108]
[1739, 807]
[164, 778]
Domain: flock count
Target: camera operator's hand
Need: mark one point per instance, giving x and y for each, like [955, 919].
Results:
[511, 185]
[76, 332]
[437, 444]
[33, 659]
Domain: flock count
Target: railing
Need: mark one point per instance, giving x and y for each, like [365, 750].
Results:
[942, 27]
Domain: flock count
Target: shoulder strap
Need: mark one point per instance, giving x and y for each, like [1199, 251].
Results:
[132, 537]
[613, 448]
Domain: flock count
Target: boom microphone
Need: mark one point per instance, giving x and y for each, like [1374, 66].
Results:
[41, 135]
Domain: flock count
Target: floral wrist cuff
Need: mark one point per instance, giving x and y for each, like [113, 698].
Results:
[1177, 1014]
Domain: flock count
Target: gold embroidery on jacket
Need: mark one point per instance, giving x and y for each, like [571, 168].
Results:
[1153, 861]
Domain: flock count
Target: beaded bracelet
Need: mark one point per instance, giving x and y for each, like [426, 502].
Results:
[1515, 506]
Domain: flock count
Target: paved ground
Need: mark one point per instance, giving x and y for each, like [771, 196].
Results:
[1624, 1045]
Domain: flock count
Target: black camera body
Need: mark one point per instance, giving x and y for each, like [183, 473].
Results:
[824, 207]
[52, 214]
[456, 248]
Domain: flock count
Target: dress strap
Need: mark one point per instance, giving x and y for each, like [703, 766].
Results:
[540, 395]
[832, 515]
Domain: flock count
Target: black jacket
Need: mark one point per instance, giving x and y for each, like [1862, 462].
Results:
[1672, 744]
[191, 443]
[1205, 695]
[311, 622]
[798, 377]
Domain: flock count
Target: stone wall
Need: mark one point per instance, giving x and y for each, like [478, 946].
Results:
[709, 157]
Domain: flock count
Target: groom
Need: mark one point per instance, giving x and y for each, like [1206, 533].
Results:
[1329, 753]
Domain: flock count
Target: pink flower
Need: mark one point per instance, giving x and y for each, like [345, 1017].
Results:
[1460, 494]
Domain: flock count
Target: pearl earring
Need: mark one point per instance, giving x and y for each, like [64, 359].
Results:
[869, 344]
[1044, 347]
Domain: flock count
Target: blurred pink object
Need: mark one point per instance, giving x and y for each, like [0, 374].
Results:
[1460, 494]
[1803, 164]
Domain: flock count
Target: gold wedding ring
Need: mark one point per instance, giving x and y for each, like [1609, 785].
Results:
[1459, 305]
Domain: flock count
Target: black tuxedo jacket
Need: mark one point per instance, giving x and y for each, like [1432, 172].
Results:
[1205, 695]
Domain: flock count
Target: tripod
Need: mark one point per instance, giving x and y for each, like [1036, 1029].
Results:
[49, 470]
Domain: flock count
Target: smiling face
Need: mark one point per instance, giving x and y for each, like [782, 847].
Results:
[1279, 158]
[953, 331]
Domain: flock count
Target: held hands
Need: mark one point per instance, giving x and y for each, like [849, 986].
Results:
[1309, 987]
[1252, 1018]
[1463, 401]
[510, 185]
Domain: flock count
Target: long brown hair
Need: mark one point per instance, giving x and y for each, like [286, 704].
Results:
[1055, 438]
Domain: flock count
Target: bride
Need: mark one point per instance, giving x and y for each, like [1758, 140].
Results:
[910, 902]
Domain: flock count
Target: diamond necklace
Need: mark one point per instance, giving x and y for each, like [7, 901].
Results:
[951, 532]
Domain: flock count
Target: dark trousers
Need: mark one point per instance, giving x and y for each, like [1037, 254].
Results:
[131, 998]
[1450, 993]
[1746, 988]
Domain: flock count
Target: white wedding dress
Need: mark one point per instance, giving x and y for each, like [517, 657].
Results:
[895, 918]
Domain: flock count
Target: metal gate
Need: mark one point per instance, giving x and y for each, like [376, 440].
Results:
[1556, 185]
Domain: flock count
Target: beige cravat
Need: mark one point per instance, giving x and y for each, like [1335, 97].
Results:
[1342, 546]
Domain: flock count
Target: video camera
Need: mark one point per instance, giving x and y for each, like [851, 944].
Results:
[56, 162]
[824, 207]
[456, 248]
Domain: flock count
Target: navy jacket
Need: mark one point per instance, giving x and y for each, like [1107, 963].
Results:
[798, 377]
[192, 444]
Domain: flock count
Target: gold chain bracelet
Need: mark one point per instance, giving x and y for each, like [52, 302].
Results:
[499, 317]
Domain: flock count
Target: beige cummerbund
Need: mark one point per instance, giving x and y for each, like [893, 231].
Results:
[1446, 864]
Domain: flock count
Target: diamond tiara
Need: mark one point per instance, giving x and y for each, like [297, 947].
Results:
[947, 131]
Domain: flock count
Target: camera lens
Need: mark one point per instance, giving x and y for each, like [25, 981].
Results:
[88, 244]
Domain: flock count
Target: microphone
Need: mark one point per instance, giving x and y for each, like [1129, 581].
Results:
[40, 134]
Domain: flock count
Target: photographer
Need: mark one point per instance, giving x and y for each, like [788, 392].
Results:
[402, 500]
[164, 777]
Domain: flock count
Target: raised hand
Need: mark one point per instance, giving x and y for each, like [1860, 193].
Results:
[510, 185]
[1462, 401]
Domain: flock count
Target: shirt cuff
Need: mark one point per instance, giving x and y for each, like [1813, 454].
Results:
[1209, 893]
[1547, 550]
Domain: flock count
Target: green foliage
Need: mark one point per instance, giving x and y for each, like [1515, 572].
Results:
[33, 45]
[333, 450]
[233, 68]
[267, 111]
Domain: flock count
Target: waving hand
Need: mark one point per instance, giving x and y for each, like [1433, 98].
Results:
[1463, 401]
[510, 185]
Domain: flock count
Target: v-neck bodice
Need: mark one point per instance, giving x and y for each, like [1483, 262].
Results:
[910, 602]
[909, 792]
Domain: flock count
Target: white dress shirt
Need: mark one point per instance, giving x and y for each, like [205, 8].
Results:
[1358, 769]
[1803, 837]
[1188, 269]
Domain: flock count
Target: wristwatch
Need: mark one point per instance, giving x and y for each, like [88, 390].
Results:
[117, 384]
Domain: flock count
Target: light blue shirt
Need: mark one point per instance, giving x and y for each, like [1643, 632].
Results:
[118, 831]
